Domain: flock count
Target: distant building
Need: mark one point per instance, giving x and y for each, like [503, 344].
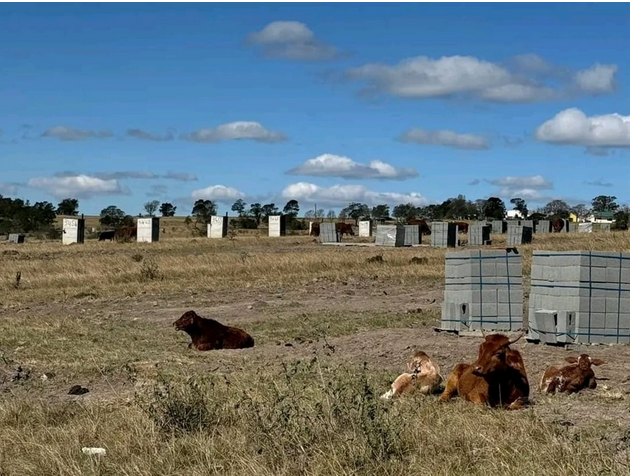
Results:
[601, 217]
[514, 215]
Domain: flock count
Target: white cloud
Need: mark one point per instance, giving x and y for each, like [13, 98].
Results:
[217, 193]
[524, 79]
[78, 186]
[241, 130]
[331, 165]
[598, 79]
[144, 135]
[181, 176]
[599, 183]
[344, 194]
[526, 187]
[69, 134]
[291, 40]
[8, 189]
[445, 138]
[134, 174]
[573, 127]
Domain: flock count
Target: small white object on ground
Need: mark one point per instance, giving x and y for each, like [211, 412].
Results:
[93, 451]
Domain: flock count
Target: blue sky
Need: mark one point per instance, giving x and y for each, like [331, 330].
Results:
[123, 103]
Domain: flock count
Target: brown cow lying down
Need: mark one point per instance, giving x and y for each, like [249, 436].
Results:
[570, 378]
[424, 377]
[208, 334]
[496, 378]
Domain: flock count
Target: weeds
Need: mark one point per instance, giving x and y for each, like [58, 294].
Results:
[149, 271]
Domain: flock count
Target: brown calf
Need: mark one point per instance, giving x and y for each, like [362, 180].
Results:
[496, 378]
[570, 378]
[208, 334]
[424, 377]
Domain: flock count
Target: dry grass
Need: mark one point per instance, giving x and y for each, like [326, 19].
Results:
[163, 410]
[52, 272]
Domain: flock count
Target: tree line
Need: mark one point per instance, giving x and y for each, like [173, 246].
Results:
[21, 216]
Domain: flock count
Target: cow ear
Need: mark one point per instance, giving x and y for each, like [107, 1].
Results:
[596, 361]
[571, 360]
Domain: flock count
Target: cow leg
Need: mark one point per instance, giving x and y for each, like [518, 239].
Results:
[451, 387]
[404, 383]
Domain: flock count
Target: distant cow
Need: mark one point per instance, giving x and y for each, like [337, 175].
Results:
[425, 229]
[463, 226]
[424, 377]
[315, 229]
[127, 233]
[570, 378]
[496, 378]
[558, 224]
[343, 228]
[107, 235]
[208, 334]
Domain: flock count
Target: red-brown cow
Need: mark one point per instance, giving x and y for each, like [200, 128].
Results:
[463, 226]
[425, 229]
[208, 334]
[497, 378]
[315, 229]
[570, 378]
[558, 224]
[343, 228]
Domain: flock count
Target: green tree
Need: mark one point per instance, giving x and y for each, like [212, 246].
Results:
[557, 208]
[112, 217]
[291, 209]
[380, 212]
[167, 209]
[269, 209]
[331, 215]
[494, 209]
[621, 218]
[520, 205]
[356, 211]
[68, 206]
[152, 207]
[203, 210]
[256, 212]
[580, 210]
[404, 212]
[239, 207]
[604, 203]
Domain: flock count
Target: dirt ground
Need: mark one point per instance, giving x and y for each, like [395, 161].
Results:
[383, 349]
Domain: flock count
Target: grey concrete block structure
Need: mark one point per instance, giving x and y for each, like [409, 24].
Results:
[498, 227]
[483, 290]
[73, 231]
[479, 234]
[390, 235]
[365, 228]
[17, 238]
[412, 235]
[218, 227]
[543, 226]
[572, 227]
[328, 233]
[582, 295]
[519, 235]
[444, 235]
[276, 225]
[148, 230]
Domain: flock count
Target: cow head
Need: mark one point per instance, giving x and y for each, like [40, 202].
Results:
[187, 320]
[492, 354]
[584, 361]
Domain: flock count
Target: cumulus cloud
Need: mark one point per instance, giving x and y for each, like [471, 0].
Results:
[344, 194]
[241, 130]
[217, 193]
[144, 135]
[573, 127]
[445, 138]
[69, 134]
[291, 40]
[599, 79]
[331, 165]
[598, 183]
[79, 186]
[526, 78]
[526, 187]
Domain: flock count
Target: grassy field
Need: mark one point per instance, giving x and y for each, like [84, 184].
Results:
[332, 330]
